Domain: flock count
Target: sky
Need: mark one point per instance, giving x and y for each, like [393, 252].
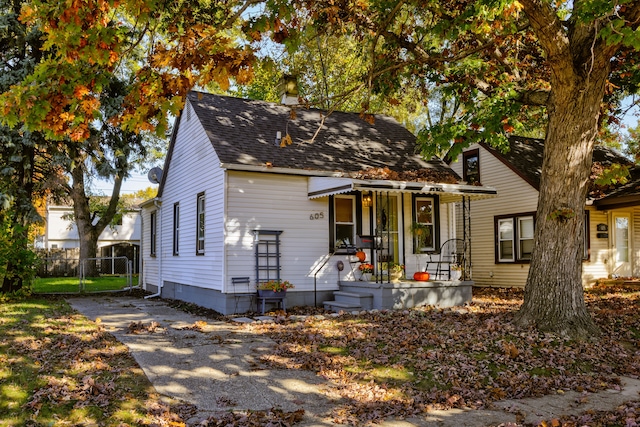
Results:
[137, 181]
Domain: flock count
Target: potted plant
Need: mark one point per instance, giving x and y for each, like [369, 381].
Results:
[366, 270]
[274, 287]
[456, 271]
[421, 232]
[396, 271]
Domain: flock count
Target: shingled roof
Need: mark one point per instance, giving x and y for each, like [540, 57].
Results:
[525, 158]
[243, 132]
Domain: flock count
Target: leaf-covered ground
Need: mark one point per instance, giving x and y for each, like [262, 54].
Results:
[57, 368]
[403, 363]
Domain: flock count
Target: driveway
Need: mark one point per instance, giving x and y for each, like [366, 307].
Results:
[216, 366]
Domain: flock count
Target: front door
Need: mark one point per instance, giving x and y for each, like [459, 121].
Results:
[387, 227]
[622, 264]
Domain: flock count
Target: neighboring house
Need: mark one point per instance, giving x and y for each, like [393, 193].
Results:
[123, 239]
[502, 228]
[234, 203]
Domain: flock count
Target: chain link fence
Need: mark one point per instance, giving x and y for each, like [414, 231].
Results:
[103, 274]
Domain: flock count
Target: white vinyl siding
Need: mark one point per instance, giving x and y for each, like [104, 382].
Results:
[61, 230]
[278, 202]
[193, 152]
[150, 263]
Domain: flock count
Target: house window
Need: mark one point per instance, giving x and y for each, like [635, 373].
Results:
[176, 228]
[200, 225]
[344, 221]
[514, 237]
[153, 232]
[525, 237]
[471, 166]
[423, 225]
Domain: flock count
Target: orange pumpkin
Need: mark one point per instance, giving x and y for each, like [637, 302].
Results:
[361, 256]
[421, 276]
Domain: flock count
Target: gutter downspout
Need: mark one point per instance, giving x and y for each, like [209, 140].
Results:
[158, 226]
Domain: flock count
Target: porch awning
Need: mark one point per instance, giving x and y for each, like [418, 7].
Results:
[320, 186]
[327, 186]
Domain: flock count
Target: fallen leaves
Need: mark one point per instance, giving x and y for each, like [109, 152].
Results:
[198, 325]
[142, 328]
[272, 418]
[456, 358]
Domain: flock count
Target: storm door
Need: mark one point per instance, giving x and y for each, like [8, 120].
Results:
[387, 227]
[622, 265]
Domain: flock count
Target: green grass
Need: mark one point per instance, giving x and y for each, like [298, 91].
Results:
[58, 368]
[72, 284]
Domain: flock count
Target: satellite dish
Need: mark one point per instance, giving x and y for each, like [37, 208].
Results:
[155, 175]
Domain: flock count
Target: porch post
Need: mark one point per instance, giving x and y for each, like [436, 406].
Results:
[466, 236]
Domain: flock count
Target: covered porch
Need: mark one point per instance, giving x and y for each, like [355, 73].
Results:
[400, 227]
[414, 226]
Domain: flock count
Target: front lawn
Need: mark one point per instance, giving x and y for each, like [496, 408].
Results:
[58, 369]
[391, 363]
[52, 285]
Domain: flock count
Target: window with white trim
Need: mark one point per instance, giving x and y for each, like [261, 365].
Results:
[515, 234]
[514, 237]
[176, 228]
[344, 221]
[200, 224]
[505, 240]
[423, 226]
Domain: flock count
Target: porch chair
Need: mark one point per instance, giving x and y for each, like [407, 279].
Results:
[452, 252]
[241, 289]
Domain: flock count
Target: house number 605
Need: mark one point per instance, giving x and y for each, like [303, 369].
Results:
[317, 215]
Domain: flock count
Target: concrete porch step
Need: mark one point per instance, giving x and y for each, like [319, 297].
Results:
[360, 298]
[349, 301]
[341, 306]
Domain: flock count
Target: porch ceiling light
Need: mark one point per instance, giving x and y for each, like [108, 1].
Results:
[367, 200]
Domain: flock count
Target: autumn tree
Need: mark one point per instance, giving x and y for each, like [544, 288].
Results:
[26, 170]
[511, 62]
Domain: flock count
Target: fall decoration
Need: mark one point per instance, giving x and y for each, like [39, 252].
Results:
[275, 286]
[421, 276]
[366, 268]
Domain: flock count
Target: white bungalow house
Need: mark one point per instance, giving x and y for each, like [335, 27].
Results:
[61, 233]
[502, 228]
[236, 201]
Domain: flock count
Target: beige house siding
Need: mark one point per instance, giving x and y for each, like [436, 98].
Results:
[597, 266]
[515, 196]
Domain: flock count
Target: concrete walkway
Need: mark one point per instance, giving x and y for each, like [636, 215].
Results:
[219, 369]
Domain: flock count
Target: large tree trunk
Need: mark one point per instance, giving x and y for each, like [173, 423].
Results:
[554, 295]
[90, 228]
